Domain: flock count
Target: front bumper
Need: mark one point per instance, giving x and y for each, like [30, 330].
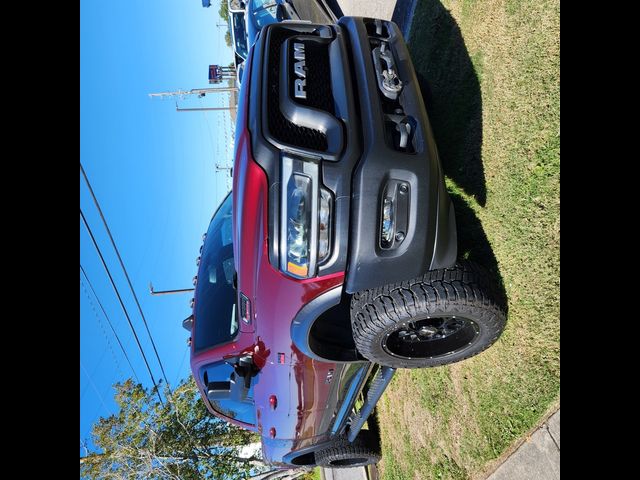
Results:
[425, 234]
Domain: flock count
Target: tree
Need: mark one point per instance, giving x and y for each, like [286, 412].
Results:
[227, 38]
[175, 440]
[224, 10]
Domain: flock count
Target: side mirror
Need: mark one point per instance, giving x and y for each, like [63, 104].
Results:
[218, 390]
[187, 323]
[239, 391]
[281, 13]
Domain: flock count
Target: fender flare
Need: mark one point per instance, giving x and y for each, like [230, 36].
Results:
[303, 322]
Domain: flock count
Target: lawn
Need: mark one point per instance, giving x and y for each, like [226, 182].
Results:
[490, 74]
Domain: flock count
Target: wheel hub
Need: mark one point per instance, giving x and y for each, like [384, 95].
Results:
[431, 337]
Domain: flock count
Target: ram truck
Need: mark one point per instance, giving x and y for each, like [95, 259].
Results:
[333, 262]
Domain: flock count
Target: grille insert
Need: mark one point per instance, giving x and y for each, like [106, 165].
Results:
[318, 87]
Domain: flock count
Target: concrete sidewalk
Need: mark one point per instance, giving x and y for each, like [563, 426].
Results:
[400, 11]
[538, 458]
[355, 473]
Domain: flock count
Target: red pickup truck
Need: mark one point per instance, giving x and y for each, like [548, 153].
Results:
[333, 262]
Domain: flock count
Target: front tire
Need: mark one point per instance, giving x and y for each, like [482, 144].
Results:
[443, 317]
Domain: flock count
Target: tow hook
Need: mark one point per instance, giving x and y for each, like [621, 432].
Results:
[378, 24]
[404, 126]
[389, 82]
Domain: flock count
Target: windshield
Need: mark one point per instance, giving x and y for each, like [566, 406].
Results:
[240, 34]
[215, 319]
[242, 410]
[263, 13]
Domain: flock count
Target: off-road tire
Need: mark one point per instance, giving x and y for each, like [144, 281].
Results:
[363, 451]
[463, 291]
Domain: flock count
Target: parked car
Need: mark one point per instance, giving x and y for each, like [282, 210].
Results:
[315, 11]
[334, 260]
[239, 74]
[235, 6]
[265, 12]
[259, 14]
[238, 29]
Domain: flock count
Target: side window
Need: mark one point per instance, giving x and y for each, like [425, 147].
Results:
[225, 229]
[229, 269]
[215, 310]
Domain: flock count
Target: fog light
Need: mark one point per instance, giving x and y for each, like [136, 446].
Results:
[386, 235]
[324, 220]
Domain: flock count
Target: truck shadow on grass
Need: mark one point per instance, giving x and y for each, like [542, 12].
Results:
[474, 245]
[451, 90]
[450, 86]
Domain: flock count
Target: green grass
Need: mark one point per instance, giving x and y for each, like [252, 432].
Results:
[312, 475]
[489, 72]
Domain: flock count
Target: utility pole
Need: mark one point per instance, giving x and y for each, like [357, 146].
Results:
[228, 181]
[200, 109]
[219, 168]
[168, 292]
[201, 92]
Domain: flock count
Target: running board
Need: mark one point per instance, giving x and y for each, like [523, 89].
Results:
[378, 386]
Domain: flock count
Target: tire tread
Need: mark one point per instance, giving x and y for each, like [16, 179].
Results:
[463, 288]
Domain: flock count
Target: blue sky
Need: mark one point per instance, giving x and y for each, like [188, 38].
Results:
[153, 171]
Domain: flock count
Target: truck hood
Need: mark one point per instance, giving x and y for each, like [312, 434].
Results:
[249, 212]
[249, 223]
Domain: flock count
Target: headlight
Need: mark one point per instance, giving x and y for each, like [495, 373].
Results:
[298, 224]
[305, 219]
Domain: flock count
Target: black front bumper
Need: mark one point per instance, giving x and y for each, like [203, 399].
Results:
[425, 236]
[347, 126]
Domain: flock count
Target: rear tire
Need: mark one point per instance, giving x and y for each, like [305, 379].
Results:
[346, 455]
[443, 317]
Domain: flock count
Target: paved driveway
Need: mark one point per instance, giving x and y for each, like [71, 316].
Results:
[369, 8]
[400, 11]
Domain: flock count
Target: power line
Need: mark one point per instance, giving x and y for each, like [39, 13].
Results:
[184, 355]
[102, 329]
[95, 368]
[124, 309]
[97, 414]
[106, 226]
[94, 386]
[110, 324]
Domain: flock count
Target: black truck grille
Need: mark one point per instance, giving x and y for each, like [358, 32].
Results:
[319, 94]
